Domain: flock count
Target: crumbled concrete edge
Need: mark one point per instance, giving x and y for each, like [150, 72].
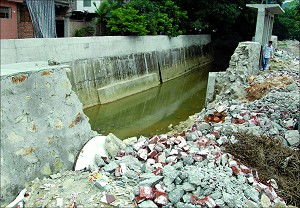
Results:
[43, 127]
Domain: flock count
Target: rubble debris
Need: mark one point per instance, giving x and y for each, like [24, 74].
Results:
[216, 117]
[189, 168]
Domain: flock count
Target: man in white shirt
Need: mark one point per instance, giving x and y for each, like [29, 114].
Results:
[267, 54]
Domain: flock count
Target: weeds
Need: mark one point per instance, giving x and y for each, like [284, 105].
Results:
[271, 160]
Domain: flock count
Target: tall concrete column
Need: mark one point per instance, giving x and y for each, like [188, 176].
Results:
[265, 20]
[268, 32]
[266, 29]
[271, 26]
[66, 26]
[260, 25]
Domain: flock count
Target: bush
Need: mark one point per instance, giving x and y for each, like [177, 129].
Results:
[126, 21]
[85, 31]
[287, 25]
[141, 17]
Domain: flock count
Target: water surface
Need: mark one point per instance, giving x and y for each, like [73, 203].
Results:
[152, 111]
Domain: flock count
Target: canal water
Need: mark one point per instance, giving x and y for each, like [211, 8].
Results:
[152, 111]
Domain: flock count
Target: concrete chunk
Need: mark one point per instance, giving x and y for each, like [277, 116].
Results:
[152, 181]
[293, 137]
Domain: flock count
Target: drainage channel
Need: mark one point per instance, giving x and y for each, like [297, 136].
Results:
[152, 111]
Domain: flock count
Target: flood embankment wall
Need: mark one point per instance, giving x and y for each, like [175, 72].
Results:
[107, 68]
[43, 127]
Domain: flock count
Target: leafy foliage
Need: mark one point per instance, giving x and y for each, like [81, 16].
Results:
[126, 21]
[85, 31]
[287, 25]
[141, 17]
[228, 21]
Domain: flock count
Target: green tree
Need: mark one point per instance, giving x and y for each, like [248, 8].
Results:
[127, 21]
[150, 10]
[160, 17]
[103, 13]
[287, 25]
[173, 17]
[85, 31]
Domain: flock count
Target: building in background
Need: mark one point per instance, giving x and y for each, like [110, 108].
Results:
[81, 15]
[70, 15]
[9, 18]
[86, 5]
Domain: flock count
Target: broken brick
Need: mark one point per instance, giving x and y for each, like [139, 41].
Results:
[161, 198]
[235, 170]
[196, 200]
[146, 192]
[110, 198]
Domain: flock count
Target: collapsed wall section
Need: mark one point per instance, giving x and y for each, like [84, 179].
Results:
[43, 126]
[244, 62]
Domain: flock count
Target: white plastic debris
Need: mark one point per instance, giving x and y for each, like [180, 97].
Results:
[59, 202]
[18, 199]
[86, 158]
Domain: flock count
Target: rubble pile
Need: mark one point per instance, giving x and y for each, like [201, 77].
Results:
[275, 114]
[186, 170]
[243, 64]
[266, 104]
[74, 189]
[190, 168]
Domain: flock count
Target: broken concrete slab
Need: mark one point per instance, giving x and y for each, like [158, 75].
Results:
[46, 110]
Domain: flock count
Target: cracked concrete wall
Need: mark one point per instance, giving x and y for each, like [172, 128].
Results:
[43, 126]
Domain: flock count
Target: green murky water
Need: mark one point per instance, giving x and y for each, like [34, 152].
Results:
[152, 111]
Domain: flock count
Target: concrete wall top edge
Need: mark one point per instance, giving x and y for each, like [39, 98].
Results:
[28, 67]
[69, 49]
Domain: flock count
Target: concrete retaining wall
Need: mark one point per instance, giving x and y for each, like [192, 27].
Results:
[43, 126]
[98, 62]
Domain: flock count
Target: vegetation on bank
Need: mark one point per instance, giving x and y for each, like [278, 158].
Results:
[272, 161]
[229, 22]
[176, 17]
[287, 25]
[140, 17]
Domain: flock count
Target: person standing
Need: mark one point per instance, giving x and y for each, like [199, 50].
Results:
[268, 51]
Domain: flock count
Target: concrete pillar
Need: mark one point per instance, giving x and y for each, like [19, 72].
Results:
[260, 25]
[265, 20]
[267, 28]
[271, 27]
[67, 26]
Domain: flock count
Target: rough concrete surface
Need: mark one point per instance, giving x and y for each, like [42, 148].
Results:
[43, 127]
[210, 87]
[243, 63]
[65, 50]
